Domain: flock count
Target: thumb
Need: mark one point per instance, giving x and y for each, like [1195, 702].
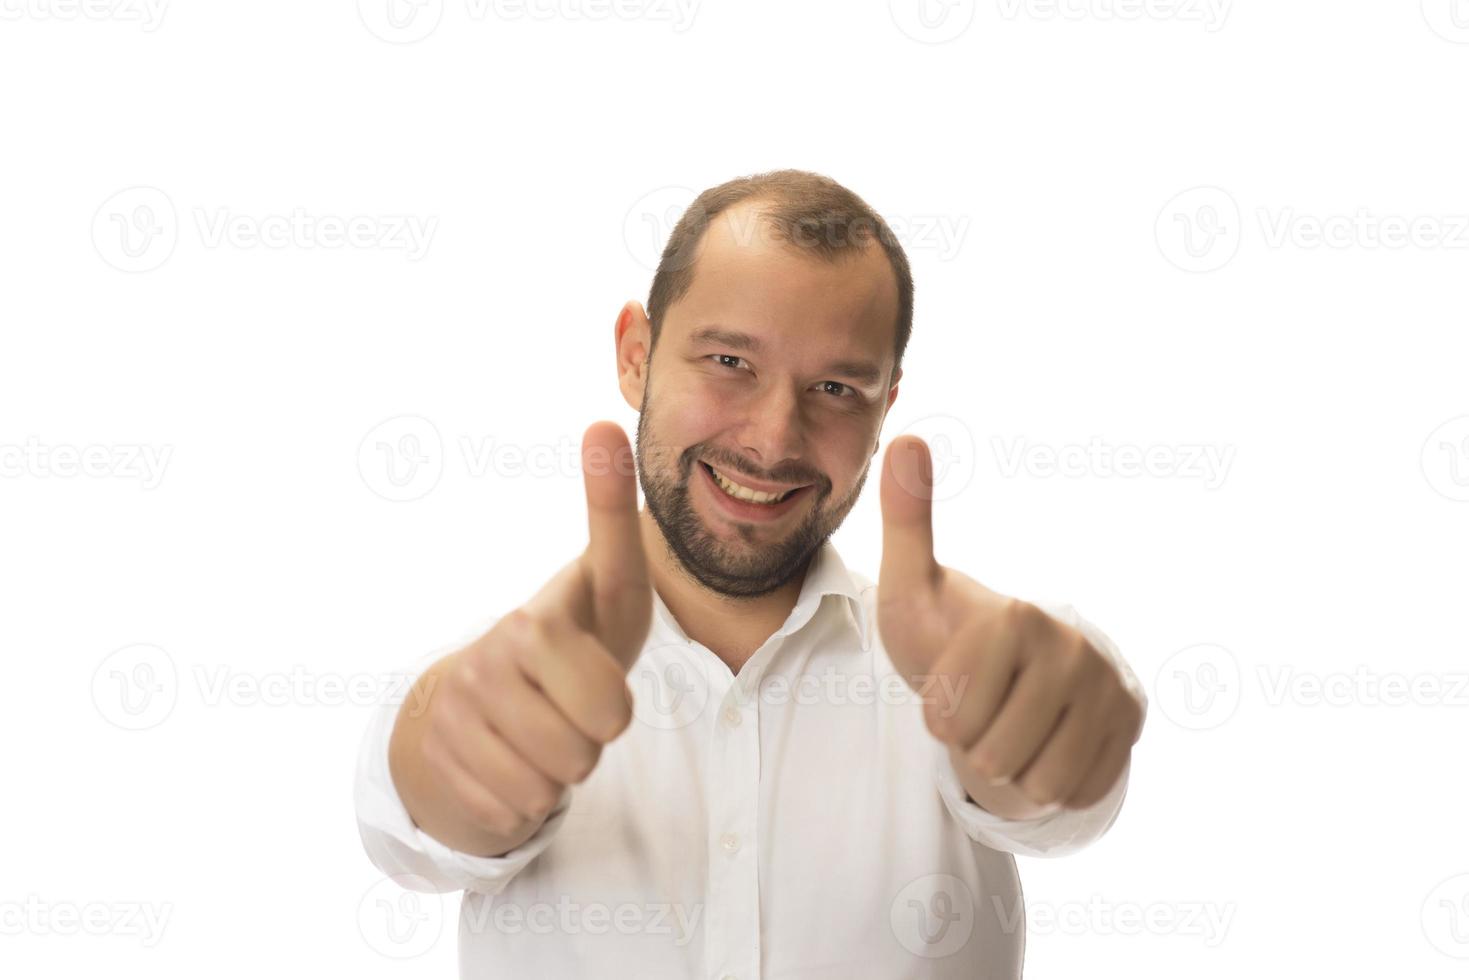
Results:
[907, 516]
[617, 570]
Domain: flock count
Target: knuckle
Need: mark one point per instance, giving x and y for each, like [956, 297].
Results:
[484, 811]
[1075, 661]
[987, 763]
[465, 671]
[583, 763]
[1041, 792]
[1030, 617]
[540, 804]
[1014, 610]
[1017, 618]
[444, 721]
[522, 628]
[613, 719]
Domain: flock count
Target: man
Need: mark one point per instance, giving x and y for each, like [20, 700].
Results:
[707, 749]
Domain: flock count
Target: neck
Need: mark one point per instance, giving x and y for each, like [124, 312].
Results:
[733, 628]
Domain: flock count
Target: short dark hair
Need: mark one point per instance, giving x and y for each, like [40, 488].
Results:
[807, 210]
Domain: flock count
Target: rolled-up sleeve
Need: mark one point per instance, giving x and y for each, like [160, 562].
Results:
[1061, 832]
[398, 847]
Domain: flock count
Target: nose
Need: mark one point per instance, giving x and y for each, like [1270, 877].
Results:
[773, 428]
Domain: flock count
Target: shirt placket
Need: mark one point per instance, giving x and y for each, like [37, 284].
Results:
[733, 900]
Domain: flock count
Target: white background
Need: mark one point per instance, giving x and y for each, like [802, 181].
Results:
[1289, 808]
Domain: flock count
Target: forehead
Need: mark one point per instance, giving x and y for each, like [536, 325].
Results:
[748, 279]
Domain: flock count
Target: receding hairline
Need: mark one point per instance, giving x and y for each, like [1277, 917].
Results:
[794, 202]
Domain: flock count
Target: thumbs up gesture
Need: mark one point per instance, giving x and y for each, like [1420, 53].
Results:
[525, 710]
[1034, 717]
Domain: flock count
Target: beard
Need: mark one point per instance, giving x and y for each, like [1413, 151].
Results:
[759, 567]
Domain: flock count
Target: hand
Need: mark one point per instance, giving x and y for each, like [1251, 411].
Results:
[525, 710]
[1032, 702]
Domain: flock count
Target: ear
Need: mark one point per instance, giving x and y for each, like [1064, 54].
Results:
[633, 336]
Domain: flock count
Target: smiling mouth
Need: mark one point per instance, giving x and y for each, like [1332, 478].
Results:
[750, 496]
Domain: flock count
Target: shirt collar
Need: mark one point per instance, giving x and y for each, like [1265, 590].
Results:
[826, 575]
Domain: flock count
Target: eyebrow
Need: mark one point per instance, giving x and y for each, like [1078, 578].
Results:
[862, 372]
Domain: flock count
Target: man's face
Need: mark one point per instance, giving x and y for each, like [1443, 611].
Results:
[760, 377]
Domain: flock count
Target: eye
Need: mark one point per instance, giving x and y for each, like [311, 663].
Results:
[828, 385]
[720, 359]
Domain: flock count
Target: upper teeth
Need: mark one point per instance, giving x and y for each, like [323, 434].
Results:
[745, 493]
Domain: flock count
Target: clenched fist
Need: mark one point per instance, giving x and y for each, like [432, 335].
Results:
[524, 711]
[1042, 719]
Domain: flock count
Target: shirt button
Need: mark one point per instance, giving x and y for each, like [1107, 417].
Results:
[732, 716]
[730, 843]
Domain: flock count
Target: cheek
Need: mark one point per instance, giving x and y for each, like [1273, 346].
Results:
[694, 413]
[843, 457]
[688, 415]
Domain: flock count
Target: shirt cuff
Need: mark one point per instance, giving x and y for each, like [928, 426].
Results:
[1048, 835]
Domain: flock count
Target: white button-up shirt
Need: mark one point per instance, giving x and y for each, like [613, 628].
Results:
[794, 820]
